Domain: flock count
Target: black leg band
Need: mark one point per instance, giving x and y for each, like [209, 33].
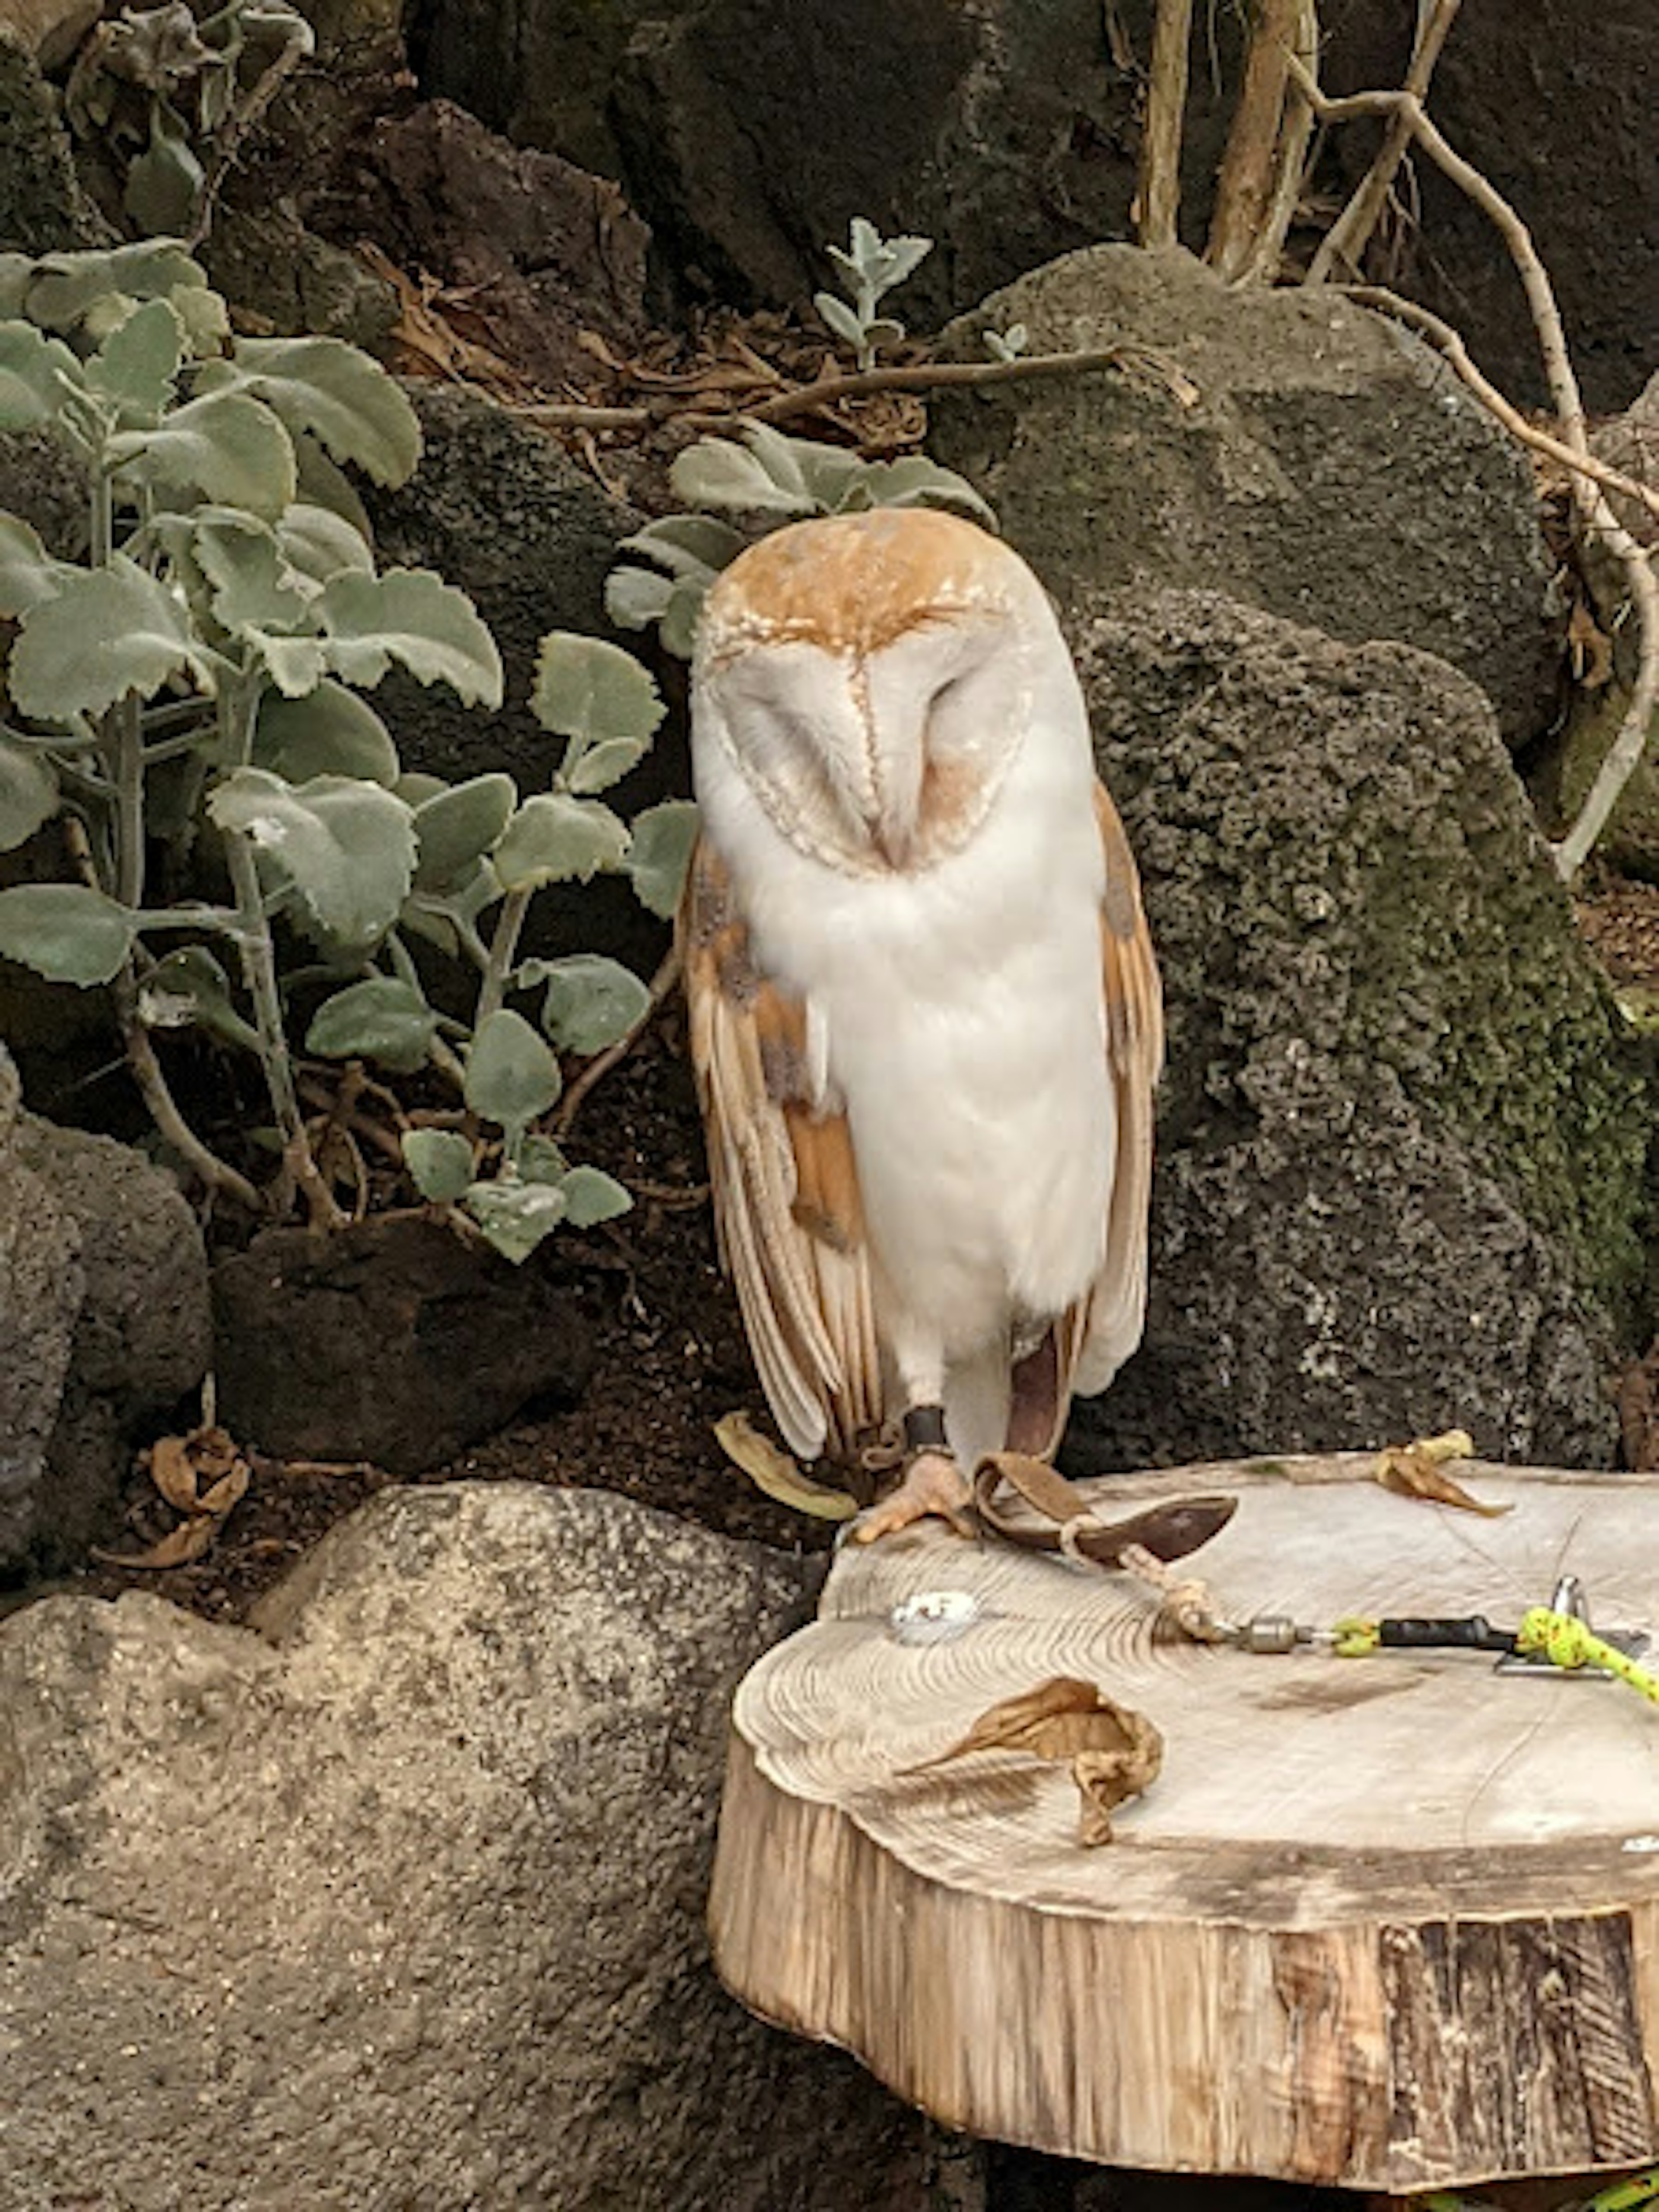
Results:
[924, 1429]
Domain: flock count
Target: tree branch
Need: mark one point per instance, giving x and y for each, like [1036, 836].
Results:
[1245, 186]
[1158, 185]
[1351, 233]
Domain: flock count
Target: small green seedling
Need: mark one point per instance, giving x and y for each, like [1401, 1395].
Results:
[870, 268]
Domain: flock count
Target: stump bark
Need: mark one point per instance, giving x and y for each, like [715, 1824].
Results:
[1391, 1922]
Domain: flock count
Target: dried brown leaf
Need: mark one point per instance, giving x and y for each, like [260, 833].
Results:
[776, 1473]
[190, 1540]
[1417, 1470]
[1106, 1778]
[173, 1471]
[1115, 1752]
[230, 1490]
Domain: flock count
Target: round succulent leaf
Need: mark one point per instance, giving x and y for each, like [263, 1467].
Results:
[383, 1018]
[416, 786]
[554, 839]
[599, 766]
[104, 633]
[456, 827]
[512, 1073]
[319, 543]
[328, 731]
[634, 597]
[253, 588]
[413, 617]
[660, 854]
[136, 366]
[336, 394]
[347, 847]
[440, 1162]
[591, 1001]
[223, 444]
[688, 544]
[588, 690]
[28, 792]
[65, 286]
[915, 481]
[718, 472]
[514, 1217]
[591, 1196]
[67, 933]
[29, 573]
[37, 375]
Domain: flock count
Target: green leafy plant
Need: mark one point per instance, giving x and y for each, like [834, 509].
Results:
[1006, 345]
[870, 268]
[769, 478]
[199, 674]
[170, 95]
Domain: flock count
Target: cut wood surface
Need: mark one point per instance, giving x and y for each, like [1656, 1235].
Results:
[1388, 1922]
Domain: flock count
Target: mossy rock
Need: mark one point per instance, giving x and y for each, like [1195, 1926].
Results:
[1630, 842]
[1403, 1133]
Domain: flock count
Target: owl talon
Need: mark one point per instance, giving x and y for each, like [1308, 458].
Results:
[934, 1484]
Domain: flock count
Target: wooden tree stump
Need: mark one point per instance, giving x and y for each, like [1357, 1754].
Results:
[1388, 1922]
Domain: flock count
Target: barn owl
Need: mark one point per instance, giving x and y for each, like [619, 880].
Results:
[925, 1017]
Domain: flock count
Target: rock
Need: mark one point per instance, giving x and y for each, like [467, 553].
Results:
[1330, 470]
[400, 1902]
[49, 31]
[43, 207]
[1400, 1185]
[392, 1341]
[40, 480]
[41, 1288]
[1004, 131]
[104, 1326]
[344, 24]
[267, 262]
[542, 252]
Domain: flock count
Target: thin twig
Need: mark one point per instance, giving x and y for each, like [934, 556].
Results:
[826, 391]
[1595, 517]
[1157, 187]
[1534, 277]
[1351, 233]
[598, 1068]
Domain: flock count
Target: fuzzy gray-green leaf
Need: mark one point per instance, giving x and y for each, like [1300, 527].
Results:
[514, 1217]
[190, 988]
[587, 690]
[28, 792]
[67, 933]
[440, 1162]
[411, 617]
[164, 184]
[687, 544]
[29, 573]
[137, 365]
[591, 1196]
[635, 598]
[660, 853]
[106, 632]
[591, 1001]
[36, 375]
[329, 731]
[347, 847]
[334, 393]
[553, 839]
[718, 472]
[383, 1019]
[456, 827]
[224, 444]
[512, 1073]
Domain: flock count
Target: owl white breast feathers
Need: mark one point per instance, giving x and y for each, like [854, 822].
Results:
[925, 1014]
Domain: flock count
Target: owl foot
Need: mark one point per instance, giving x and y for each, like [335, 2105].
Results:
[934, 1484]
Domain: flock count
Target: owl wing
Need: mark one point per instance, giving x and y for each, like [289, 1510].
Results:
[785, 1181]
[1108, 1327]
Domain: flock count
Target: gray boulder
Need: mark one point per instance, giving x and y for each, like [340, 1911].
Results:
[1330, 471]
[397, 1904]
[104, 1324]
[1400, 1186]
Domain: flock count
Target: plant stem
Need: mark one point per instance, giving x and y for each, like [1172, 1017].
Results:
[163, 1108]
[239, 709]
[503, 948]
[129, 749]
